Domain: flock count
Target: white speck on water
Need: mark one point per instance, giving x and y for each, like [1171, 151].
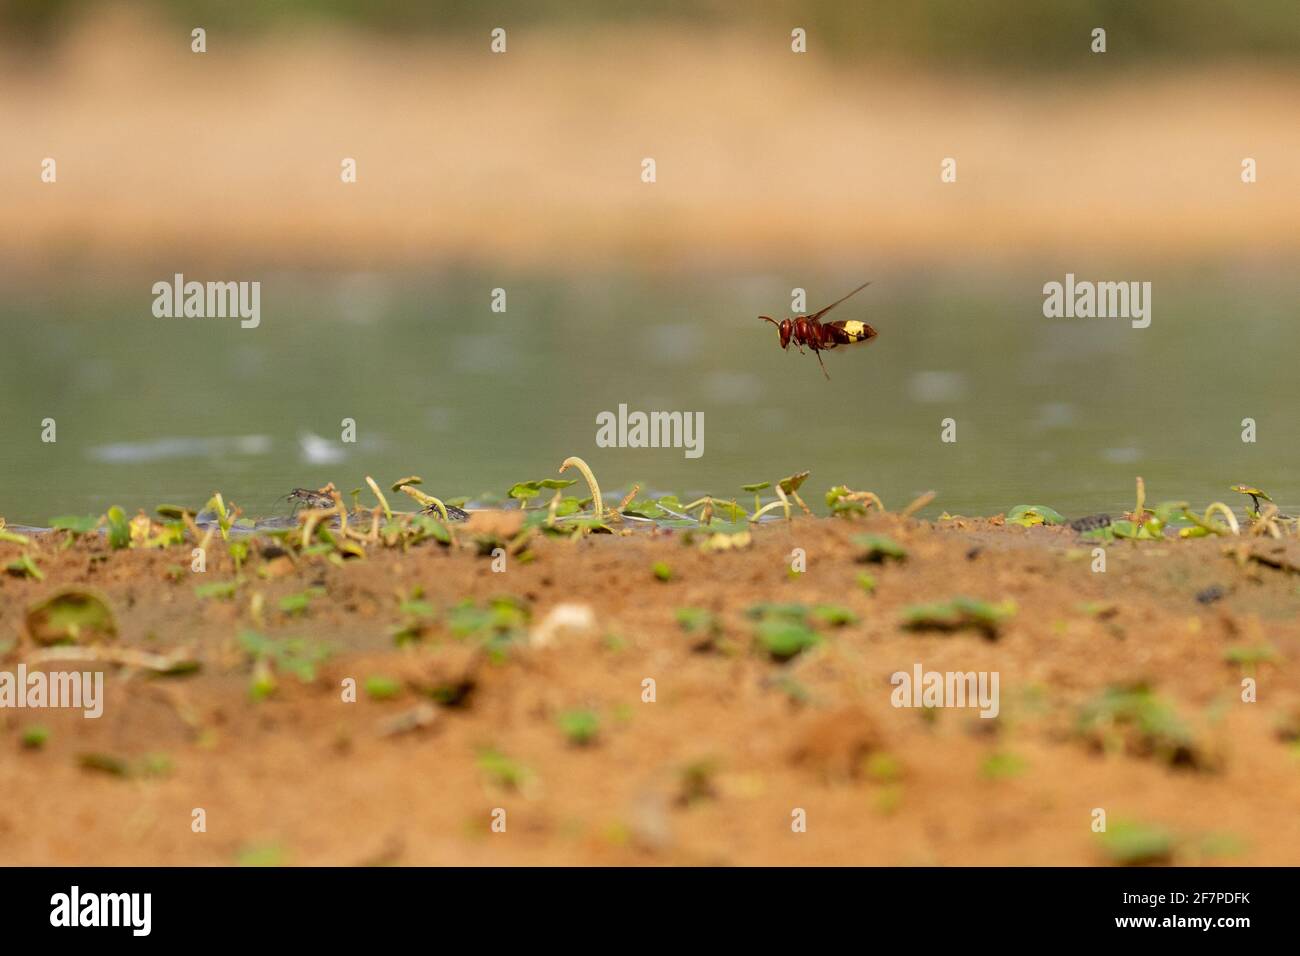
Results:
[1054, 415]
[672, 342]
[160, 449]
[320, 451]
[1122, 456]
[936, 386]
[733, 388]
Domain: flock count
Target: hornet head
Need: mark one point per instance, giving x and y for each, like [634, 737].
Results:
[785, 327]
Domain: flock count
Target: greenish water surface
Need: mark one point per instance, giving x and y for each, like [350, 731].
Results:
[1062, 412]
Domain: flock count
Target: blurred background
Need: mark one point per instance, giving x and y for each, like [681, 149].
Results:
[522, 171]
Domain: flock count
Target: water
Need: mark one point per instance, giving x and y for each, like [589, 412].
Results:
[1056, 412]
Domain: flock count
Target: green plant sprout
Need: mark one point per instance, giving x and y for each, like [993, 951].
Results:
[959, 613]
[879, 548]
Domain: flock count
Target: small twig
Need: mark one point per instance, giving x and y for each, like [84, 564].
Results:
[627, 499]
[112, 655]
[916, 505]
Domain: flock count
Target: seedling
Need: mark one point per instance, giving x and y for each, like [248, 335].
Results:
[1250, 657]
[35, 737]
[156, 765]
[222, 590]
[1002, 765]
[104, 763]
[790, 612]
[238, 554]
[13, 537]
[581, 466]
[695, 782]
[71, 616]
[379, 687]
[1255, 495]
[580, 727]
[525, 491]
[793, 690]
[847, 503]
[1028, 516]
[226, 517]
[1136, 844]
[834, 615]
[1134, 720]
[882, 767]
[957, 613]
[702, 625]
[293, 655]
[496, 626]
[791, 485]
[502, 771]
[119, 529]
[878, 548]
[756, 487]
[784, 639]
[75, 525]
[416, 614]
[296, 604]
[661, 571]
[269, 855]
[24, 566]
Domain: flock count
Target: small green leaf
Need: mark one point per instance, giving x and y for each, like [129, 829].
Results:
[1133, 844]
[501, 770]
[960, 612]
[695, 620]
[223, 590]
[792, 484]
[783, 638]
[259, 856]
[24, 566]
[1028, 516]
[878, 548]
[69, 616]
[379, 687]
[788, 612]
[105, 763]
[834, 615]
[1002, 765]
[579, 726]
[77, 524]
[119, 528]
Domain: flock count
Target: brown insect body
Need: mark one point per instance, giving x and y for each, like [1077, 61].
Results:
[312, 499]
[811, 331]
[324, 498]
